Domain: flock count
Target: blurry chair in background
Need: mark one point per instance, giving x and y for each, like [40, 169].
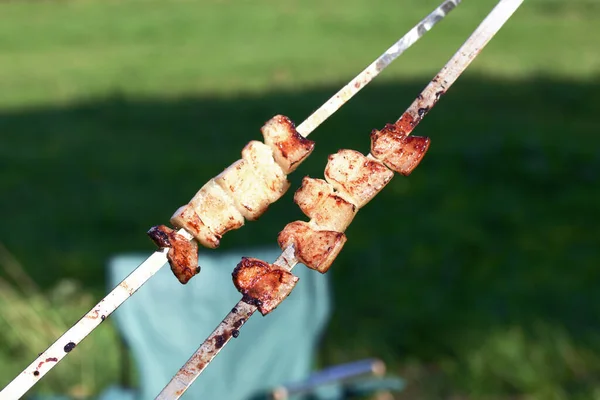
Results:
[165, 322]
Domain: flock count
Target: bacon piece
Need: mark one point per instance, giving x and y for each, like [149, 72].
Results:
[327, 209]
[182, 254]
[317, 249]
[399, 152]
[260, 157]
[247, 190]
[289, 147]
[357, 176]
[262, 284]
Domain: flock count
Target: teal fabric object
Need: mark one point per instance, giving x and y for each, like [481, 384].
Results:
[165, 322]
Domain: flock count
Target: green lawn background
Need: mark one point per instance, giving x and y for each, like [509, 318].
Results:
[476, 276]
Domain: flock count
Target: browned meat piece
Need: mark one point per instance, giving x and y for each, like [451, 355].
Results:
[248, 191]
[260, 157]
[312, 193]
[262, 284]
[289, 147]
[317, 249]
[327, 210]
[334, 214]
[185, 217]
[182, 254]
[216, 209]
[398, 151]
[208, 215]
[357, 176]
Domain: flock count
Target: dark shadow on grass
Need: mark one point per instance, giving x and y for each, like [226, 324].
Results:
[498, 226]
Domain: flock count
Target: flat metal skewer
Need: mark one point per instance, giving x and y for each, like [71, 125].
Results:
[63, 345]
[231, 324]
[369, 73]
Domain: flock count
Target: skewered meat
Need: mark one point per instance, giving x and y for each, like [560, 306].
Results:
[185, 217]
[260, 157]
[289, 147]
[327, 209]
[218, 215]
[182, 254]
[359, 177]
[247, 187]
[262, 284]
[217, 209]
[247, 190]
[399, 152]
[312, 193]
[352, 180]
[317, 249]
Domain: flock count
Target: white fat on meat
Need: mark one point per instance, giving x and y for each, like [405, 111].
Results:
[327, 209]
[246, 188]
[260, 157]
[185, 217]
[288, 146]
[399, 152]
[356, 176]
[317, 249]
[216, 208]
[211, 208]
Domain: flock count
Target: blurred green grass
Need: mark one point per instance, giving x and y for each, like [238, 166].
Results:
[478, 269]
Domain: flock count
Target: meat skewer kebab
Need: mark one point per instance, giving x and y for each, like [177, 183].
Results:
[244, 190]
[351, 181]
[381, 143]
[90, 321]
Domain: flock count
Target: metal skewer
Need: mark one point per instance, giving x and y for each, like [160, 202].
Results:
[369, 73]
[230, 326]
[70, 339]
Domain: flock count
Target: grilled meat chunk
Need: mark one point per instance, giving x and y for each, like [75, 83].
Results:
[247, 189]
[289, 147]
[399, 152]
[317, 249]
[209, 214]
[260, 157]
[182, 254]
[312, 193]
[262, 284]
[328, 210]
[357, 176]
[185, 217]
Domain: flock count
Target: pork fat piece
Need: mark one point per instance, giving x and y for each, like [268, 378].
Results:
[247, 189]
[398, 151]
[328, 210]
[260, 157]
[262, 284]
[208, 215]
[357, 176]
[182, 254]
[289, 147]
[317, 249]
